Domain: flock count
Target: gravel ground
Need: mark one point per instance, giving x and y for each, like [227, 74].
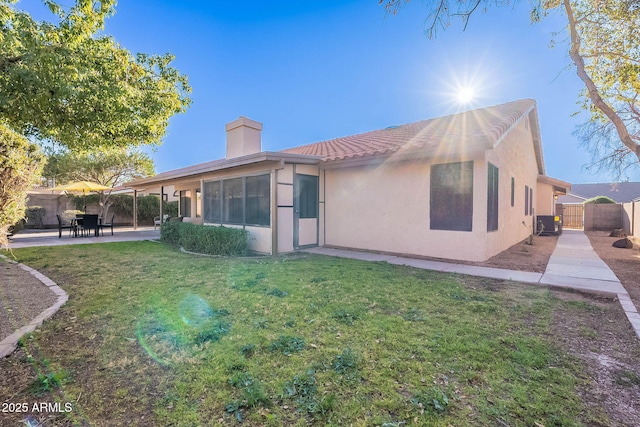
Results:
[22, 298]
[625, 263]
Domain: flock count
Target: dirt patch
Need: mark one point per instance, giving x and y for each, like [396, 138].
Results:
[625, 263]
[523, 256]
[22, 298]
[602, 339]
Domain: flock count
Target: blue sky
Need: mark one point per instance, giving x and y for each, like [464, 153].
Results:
[315, 70]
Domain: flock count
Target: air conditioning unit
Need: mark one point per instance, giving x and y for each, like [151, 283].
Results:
[548, 224]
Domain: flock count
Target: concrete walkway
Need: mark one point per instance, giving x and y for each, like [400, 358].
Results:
[573, 265]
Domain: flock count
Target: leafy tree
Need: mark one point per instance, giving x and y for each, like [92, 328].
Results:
[109, 166]
[20, 166]
[604, 45]
[60, 81]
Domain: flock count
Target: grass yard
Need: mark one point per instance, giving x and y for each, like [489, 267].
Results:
[152, 336]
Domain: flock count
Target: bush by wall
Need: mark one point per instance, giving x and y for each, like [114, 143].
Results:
[35, 216]
[600, 200]
[122, 205]
[170, 232]
[206, 239]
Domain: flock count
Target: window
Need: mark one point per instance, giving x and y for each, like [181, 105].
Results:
[526, 200]
[531, 201]
[492, 198]
[243, 201]
[212, 202]
[185, 203]
[258, 200]
[198, 203]
[451, 205]
[308, 196]
[513, 191]
[232, 201]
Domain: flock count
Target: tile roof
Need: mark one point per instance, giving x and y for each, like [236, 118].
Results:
[474, 130]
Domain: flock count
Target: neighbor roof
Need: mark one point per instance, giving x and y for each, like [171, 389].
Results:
[621, 192]
[471, 131]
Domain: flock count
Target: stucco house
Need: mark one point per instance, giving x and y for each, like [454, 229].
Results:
[466, 186]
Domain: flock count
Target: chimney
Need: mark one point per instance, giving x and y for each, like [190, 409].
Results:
[243, 137]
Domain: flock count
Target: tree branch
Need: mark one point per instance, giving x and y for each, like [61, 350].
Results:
[594, 94]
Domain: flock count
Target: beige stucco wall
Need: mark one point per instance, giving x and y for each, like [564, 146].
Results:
[631, 218]
[386, 207]
[259, 238]
[515, 158]
[545, 203]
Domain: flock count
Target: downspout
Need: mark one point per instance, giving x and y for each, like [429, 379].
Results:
[135, 209]
[161, 204]
[274, 208]
[274, 212]
[633, 218]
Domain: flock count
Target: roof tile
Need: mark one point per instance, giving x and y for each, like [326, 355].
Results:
[472, 130]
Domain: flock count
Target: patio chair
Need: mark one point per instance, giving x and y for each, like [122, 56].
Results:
[90, 223]
[107, 225]
[157, 222]
[63, 226]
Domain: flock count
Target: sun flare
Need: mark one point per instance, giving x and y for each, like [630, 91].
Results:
[465, 95]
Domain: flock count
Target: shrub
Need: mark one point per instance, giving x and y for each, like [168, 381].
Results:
[206, 239]
[170, 232]
[35, 216]
[20, 166]
[600, 200]
[68, 215]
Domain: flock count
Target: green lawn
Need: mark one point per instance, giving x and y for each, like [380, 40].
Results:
[187, 340]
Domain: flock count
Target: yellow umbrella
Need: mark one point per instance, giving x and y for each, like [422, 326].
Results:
[84, 186]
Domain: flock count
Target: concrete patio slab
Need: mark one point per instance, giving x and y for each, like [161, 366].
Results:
[30, 238]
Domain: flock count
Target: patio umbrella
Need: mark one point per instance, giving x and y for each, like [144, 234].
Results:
[84, 186]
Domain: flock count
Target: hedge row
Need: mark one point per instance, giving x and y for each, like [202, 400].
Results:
[206, 239]
[122, 204]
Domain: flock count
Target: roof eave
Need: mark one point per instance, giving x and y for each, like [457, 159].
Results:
[222, 164]
[559, 186]
[534, 125]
